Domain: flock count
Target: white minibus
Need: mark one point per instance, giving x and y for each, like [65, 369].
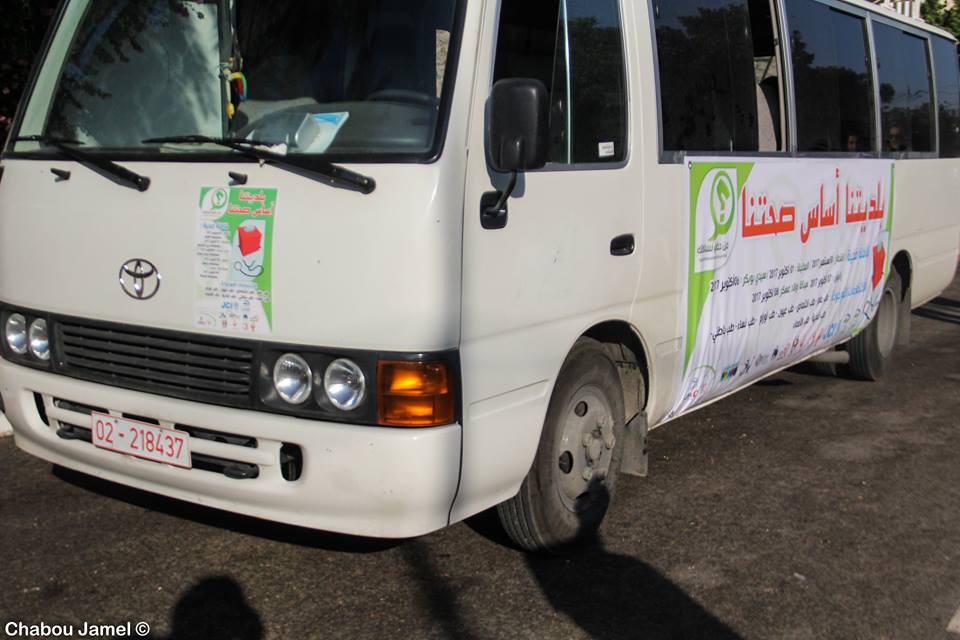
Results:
[374, 267]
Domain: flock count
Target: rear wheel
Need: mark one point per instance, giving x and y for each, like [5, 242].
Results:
[565, 496]
[873, 349]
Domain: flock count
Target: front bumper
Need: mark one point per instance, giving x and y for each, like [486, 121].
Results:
[365, 481]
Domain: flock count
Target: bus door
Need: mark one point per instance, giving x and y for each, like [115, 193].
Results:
[564, 251]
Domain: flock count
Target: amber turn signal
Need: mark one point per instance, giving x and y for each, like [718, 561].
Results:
[414, 394]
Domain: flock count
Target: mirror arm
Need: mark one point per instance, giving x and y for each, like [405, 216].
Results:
[493, 206]
[501, 206]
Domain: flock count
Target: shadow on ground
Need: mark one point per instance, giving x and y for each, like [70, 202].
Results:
[607, 595]
[215, 607]
[611, 596]
[225, 520]
[942, 310]
[435, 594]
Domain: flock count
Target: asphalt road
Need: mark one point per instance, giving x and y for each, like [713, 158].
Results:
[806, 507]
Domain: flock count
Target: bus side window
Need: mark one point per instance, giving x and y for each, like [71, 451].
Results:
[831, 62]
[575, 47]
[948, 95]
[720, 75]
[905, 88]
[766, 62]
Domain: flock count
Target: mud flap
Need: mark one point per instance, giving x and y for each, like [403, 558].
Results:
[635, 461]
[634, 457]
[906, 318]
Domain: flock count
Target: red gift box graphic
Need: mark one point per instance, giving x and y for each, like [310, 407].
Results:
[879, 264]
[251, 240]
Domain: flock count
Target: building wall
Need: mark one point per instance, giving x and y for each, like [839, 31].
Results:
[909, 8]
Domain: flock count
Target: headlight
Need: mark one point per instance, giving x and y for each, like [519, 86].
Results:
[345, 384]
[16, 334]
[40, 340]
[293, 379]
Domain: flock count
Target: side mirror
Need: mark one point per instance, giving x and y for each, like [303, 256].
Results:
[518, 137]
[518, 140]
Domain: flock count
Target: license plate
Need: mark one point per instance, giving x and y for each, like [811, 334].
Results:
[147, 441]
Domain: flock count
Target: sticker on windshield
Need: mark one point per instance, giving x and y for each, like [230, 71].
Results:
[319, 130]
[233, 260]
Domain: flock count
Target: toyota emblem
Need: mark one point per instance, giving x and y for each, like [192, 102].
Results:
[140, 279]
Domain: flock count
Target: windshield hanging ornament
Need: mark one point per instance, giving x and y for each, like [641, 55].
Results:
[236, 82]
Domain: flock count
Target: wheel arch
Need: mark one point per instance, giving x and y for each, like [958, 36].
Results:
[903, 263]
[626, 349]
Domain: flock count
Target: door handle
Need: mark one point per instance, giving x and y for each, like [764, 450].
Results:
[624, 245]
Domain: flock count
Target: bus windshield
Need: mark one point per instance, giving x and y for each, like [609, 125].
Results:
[333, 77]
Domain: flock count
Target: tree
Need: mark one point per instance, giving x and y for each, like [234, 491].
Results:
[938, 12]
[25, 23]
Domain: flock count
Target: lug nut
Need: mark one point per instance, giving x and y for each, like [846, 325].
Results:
[595, 451]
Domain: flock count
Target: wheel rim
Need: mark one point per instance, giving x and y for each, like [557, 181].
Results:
[887, 323]
[585, 449]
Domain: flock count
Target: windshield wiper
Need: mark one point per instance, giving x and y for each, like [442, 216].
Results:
[69, 149]
[322, 170]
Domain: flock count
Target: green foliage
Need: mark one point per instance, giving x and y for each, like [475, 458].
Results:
[937, 12]
[24, 25]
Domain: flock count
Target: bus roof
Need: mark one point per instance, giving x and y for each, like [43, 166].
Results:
[890, 12]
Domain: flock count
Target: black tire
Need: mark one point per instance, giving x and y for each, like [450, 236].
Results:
[872, 351]
[549, 513]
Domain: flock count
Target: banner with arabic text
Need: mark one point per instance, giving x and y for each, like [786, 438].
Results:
[786, 258]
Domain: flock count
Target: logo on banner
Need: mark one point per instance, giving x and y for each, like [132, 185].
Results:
[701, 383]
[723, 202]
[716, 213]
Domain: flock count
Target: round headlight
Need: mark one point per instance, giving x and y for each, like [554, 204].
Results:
[16, 333]
[293, 378]
[39, 340]
[345, 384]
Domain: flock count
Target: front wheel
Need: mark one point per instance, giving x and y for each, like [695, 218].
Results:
[872, 350]
[565, 496]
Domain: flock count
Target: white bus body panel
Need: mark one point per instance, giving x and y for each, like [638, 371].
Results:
[926, 223]
[349, 270]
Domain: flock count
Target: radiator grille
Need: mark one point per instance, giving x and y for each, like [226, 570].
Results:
[182, 366]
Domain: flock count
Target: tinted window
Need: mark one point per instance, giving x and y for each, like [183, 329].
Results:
[832, 74]
[904, 72]
[527, 42]
[948, 96]
[719, 76]
[575, 48]
[597, 101]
